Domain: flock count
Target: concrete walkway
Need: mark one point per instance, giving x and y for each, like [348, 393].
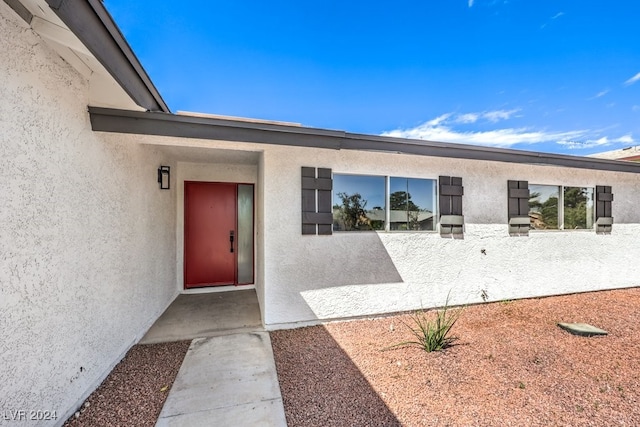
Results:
[228, 376]
[226, 381]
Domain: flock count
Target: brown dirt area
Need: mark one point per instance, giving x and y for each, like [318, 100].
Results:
[512, 365]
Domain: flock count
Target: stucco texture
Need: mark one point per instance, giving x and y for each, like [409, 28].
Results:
[87, 260]
[308, 278]
[304, 279]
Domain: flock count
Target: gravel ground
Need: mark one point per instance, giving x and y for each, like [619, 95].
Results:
[511, 366]
[134, 392]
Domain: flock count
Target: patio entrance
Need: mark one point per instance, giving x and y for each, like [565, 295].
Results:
[206, 315]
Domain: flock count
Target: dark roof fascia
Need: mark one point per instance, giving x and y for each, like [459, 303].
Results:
[94, 26]
[19, 8]
[473, 152]
[163, 124]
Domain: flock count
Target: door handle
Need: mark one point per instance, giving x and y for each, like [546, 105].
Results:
[231, 236]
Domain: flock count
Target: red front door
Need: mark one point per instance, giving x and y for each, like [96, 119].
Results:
[210, 212]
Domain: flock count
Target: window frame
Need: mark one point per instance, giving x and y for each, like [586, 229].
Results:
[561, 217]
[387, 202]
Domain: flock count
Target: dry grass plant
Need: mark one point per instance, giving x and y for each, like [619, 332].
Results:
[431, 334]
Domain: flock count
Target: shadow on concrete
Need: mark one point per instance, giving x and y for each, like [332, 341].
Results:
[321, 386]
[206, 315]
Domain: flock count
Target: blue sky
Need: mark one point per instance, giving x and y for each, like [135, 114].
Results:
[554, 76]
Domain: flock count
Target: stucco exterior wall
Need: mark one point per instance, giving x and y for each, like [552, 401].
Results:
[207, 160]
[307, 279]
[357, 274]
[88, 239]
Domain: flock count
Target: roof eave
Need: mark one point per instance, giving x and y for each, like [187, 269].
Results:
[95, 28]
[141, 123]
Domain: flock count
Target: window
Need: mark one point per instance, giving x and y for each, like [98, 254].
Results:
[358, 202]
[578, 208]
[411, 204]
[543, 206]
[364, 202]
[554, 207]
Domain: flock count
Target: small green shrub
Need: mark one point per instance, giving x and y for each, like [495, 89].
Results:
[432, 334]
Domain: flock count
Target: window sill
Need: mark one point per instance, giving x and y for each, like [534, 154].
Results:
[579, 230]
[386, 232]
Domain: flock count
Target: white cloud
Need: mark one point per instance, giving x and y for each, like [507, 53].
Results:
[635, 108]
[470, 3]
[491, 116]
[632, 80]
[600, 94]
[553, 18]
[600, 142]
[576, 145]
[441, 129]
[627, 139]
[496, 116]
[468, 118]
[438, 120]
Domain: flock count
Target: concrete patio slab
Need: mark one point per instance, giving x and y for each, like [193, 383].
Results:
[205, 315]
[228, 376]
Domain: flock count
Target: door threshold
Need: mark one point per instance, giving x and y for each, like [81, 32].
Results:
[214, 289]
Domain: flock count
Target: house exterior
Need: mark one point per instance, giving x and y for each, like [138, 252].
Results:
[629, 154]
[93, 250]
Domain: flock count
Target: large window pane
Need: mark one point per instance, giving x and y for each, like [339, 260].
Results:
[578, 208]
[543, 206]
[411, 204]
[358, 202]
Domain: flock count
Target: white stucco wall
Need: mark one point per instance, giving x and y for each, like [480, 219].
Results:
[355, 274]
[87, 238]
[206, 160]
[306, 279]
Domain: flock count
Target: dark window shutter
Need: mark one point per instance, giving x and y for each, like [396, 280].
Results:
[450, 200]
[317, 216]
[518, 207]
[604, 218]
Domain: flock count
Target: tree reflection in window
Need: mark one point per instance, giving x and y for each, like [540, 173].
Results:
[359, 203]
[351, 214]
[576, 202]
[411, 204]
[578, 208]
[352, 196]
[543, 207]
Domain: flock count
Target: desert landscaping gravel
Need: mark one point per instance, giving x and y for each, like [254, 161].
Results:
[134, 392]
[512, 365]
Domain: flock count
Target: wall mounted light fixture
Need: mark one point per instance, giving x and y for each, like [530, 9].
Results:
[164, 177]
